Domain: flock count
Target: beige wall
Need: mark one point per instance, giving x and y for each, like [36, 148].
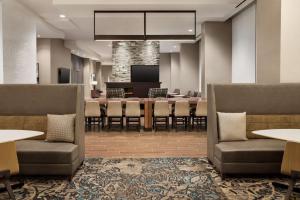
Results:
[106, 72]
[1, 46]
[290, 41]
[165, 70]
[44, 60]
[175, 71]
[60, 57]
[189, 67]
[243, 46]
[217, 50]
[51, 55]
[268, 17]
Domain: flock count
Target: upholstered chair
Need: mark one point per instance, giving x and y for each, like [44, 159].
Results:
[161, 114]
[158, 92]
[8, 165]
[177, 91]
[115, 93]
[114, 114]
[93, 114]
[200, 115]
[133, 115]
[181, 114]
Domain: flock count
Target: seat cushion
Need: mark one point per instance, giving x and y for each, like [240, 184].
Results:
[250, 151]
[42, 152]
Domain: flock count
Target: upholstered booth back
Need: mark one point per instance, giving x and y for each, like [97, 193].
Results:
[26, 107]
[267, 106]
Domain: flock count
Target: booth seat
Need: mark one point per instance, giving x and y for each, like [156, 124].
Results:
[25, 107]
[267, 107]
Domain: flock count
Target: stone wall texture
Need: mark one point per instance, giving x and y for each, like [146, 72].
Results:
[127, 53]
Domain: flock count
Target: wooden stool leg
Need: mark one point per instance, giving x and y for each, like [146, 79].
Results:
[292, 183]
[9, 189]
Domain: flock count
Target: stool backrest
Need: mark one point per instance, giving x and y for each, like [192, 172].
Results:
[133, 109]
[92, 109]
[161, 109]
[182, 108]
[114, 109]
[8, 158]
[201, 109]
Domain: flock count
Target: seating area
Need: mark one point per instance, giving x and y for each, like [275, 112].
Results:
[130, 112]
[149, 100]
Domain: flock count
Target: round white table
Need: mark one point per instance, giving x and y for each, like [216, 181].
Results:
[290, 135]
[290, 163]
[15, 135]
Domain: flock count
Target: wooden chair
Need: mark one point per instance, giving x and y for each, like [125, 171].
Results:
[181, 114]
[200, 115]
[114, 114]
[93, 114]
[133, 115]
[161, 114]
[291, 165]
[8, 165]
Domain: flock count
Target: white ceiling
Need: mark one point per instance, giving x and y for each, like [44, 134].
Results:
[78, 24]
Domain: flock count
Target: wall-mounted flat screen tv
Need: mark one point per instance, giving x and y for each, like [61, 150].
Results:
[63, 75]
[145, 73]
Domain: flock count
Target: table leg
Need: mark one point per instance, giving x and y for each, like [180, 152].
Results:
[148, 115]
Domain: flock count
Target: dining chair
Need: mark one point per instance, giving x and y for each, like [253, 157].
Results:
[199, 118]
[181, 114]
[133, 115]
[161, 114]
[177, 91]
[114, 114]
[93, 114]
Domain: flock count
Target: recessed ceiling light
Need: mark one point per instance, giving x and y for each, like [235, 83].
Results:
[38, 35]
[62, 16]
[190, 30]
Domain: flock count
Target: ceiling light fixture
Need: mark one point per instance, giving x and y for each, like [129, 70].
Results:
[62, 16]
[190, 30]
[38, 35]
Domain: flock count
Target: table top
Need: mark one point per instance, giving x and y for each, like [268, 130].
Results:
[192, 100]
[290, 135]
[14, 135]
[178, 95]
[172, 93]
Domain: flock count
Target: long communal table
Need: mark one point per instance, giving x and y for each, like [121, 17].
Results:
[148, 105]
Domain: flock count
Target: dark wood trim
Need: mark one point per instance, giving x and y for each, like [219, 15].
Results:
[145, 11]
[119, 37]
[170, 37]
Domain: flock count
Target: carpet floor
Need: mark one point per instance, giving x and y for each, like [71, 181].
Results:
[158, 178]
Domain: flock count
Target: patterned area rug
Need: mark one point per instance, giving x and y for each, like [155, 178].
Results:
[162, 178]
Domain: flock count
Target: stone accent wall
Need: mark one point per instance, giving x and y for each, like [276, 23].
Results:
[127, 53]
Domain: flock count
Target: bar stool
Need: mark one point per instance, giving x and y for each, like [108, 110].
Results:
[114, 114]
[93, 114]
[182, 114]
[291, 165]
[200, 115]
[9, 165]
[161, 114]
[133, 114]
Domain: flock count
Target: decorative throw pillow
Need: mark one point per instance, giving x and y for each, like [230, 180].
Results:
[232, 126]
[61, 128]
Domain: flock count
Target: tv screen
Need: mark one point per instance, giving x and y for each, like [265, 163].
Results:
[63, 75]
[144, 73]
